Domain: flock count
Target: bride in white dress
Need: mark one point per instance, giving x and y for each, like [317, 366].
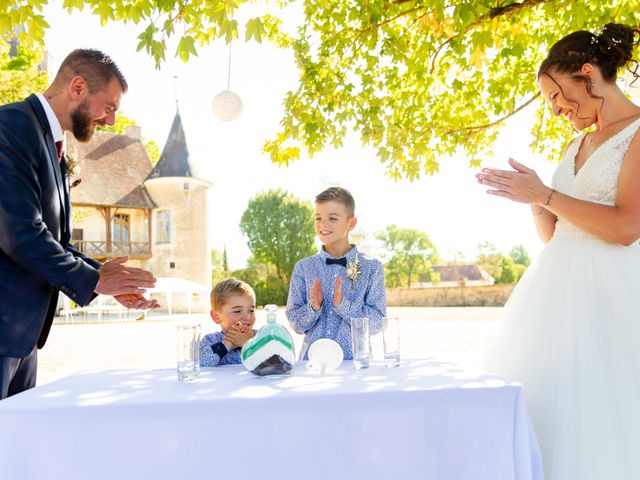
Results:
[571, 329]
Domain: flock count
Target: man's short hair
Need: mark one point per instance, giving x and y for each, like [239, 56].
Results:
[339, 195]
[97, 69]
[227, 288]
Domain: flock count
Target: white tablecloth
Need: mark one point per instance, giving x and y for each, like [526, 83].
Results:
[423, 420]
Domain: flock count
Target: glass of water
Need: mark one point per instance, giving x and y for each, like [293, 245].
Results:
[391, 339]
[360, 344]
[188, 336]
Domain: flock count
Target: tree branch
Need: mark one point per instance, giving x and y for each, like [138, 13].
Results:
[490, 15]
[500, 120]
[389, 20]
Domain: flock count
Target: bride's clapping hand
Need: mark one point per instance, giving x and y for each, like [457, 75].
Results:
[520, 185]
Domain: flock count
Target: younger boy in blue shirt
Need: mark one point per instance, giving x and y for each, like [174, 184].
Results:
[233, 307]
[338, 283]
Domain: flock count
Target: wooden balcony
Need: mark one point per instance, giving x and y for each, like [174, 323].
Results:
[102, 250]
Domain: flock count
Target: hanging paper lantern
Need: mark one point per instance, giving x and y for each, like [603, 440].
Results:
[227, 105]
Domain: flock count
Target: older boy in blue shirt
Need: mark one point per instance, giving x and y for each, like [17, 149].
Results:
[338, 283]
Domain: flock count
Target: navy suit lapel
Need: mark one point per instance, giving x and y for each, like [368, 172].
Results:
[36, 106]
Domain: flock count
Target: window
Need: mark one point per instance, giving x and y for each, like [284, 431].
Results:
[121, 227]
[164, 227]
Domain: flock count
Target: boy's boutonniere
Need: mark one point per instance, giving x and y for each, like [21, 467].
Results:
[353, 271]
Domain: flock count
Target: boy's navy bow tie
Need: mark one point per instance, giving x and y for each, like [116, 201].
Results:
[337, 261]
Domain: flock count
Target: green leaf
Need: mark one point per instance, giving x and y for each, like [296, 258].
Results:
[105, 11]
[5, 22]
[254, 29]
[228, 29]
[186, 48]
[70, 5]
[135, 14]
[146, 38]
[464, 11]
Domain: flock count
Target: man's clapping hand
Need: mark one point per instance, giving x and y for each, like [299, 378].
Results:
[117, 279]
[135, 301]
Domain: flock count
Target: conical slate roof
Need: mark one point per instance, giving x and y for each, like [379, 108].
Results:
[174, 160]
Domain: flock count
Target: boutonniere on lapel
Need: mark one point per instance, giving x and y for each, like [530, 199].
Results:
[73, 168]
[353, 271]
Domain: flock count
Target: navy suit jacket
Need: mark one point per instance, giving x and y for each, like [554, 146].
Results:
[36, 259]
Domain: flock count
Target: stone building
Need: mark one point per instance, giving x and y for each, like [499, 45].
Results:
[456, 276]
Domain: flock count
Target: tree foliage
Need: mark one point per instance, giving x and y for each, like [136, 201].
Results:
[409, 254]
[267, 286]
[279, 230]
[504, 269]
[20, 73]
[193, 23]
[417, 79]
[520, 255]
[423, 79]
[219, 269]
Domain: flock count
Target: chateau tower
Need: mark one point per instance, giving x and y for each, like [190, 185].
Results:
[181, 230]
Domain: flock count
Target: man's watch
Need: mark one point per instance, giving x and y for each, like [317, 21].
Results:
[219, 349]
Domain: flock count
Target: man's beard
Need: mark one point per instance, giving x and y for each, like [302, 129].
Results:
[82, 126]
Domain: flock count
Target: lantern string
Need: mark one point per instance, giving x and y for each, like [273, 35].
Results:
[229, 70]
[175, 89]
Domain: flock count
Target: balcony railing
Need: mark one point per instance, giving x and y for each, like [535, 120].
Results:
[102, 249]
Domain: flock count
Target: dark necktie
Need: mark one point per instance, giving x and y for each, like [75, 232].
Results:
[63, 171]
[337, 261]
[59, 147]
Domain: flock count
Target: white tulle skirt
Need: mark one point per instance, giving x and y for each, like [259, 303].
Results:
[570, 334]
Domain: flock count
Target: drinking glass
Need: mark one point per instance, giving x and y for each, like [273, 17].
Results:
[360, 343]
[391, 338]
[188, 336]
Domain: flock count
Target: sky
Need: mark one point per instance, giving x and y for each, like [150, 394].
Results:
[450, 206]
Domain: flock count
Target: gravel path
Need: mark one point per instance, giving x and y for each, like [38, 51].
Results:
[455, 334]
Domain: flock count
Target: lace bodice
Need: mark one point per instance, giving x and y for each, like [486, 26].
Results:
[597, 180]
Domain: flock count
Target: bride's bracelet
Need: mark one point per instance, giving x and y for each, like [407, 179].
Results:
[553, 190]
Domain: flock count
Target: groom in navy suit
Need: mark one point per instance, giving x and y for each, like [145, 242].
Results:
[36, 259]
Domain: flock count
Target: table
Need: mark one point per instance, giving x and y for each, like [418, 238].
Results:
[423, 420]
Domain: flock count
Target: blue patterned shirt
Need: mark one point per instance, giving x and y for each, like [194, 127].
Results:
[366, 298]
[210, 359]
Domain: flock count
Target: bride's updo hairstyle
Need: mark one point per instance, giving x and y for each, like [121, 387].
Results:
[610, 50]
